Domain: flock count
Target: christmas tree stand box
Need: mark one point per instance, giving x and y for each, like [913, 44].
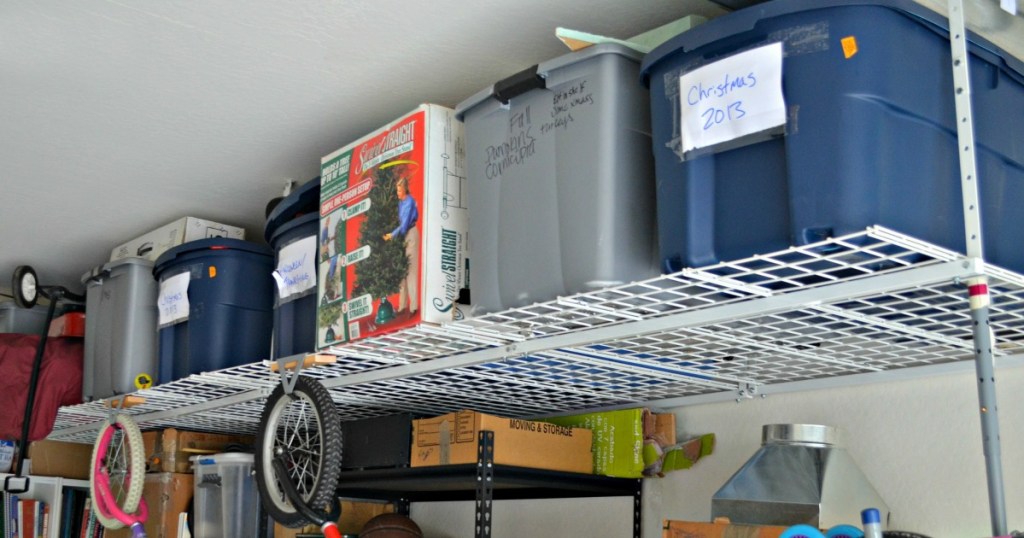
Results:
[393, 219]
[453, 439]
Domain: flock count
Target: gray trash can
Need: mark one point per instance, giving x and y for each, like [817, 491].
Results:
[120, 328]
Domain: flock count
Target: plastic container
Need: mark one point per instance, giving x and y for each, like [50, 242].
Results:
[230, 315]
[561, 182]
[870, 136]
[226, 500]
[121, 331]
[295, 218]
[14, 319]
[302, 201]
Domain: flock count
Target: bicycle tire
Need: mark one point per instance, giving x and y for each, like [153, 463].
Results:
[323, 455]
[135, 467]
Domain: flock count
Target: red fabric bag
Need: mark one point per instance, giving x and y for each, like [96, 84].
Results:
[60, 382]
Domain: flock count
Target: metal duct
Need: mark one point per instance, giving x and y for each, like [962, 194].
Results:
[801, 474]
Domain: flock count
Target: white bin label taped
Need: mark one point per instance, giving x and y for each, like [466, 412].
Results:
[296, 268]
[730, 98]
[173, 300]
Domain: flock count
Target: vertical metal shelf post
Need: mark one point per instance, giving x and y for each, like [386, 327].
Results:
[484, 483]
[977, 288]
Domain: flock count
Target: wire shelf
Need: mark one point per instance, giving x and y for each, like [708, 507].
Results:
[871, 301]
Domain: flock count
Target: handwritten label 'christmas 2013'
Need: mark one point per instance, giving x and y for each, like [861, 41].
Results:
[731, 98]
[172, 301]
[517, 147]
[296, 268]
[563, 102]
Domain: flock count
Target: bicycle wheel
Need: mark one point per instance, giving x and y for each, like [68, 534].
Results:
[118, 464]
[304, 428]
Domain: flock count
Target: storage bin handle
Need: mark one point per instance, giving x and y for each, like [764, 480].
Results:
[518, 84]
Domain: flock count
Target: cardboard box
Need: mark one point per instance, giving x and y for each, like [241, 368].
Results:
[452, 438]
[718, 529]
[166, 495]
[167, 451]
[619, 438]
[57, 458]
[353, 516]
[151, 245]
[391, 260]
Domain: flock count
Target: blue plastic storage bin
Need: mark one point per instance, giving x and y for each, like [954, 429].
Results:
[302, 201]
[295, 217]
[295, 316]
[870, 137]
[231, 299]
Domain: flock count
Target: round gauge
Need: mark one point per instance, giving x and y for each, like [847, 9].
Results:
[25, 286]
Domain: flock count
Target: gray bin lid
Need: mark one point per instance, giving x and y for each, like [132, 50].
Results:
[107, 267]
[543, 69]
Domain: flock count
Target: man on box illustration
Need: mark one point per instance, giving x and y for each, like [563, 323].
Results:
[408, 214]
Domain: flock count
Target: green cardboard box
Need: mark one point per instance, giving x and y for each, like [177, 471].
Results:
[619, 438]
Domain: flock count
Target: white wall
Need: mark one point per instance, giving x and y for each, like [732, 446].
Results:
[918, 442]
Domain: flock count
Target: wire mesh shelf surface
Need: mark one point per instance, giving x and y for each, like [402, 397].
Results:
[871, 301]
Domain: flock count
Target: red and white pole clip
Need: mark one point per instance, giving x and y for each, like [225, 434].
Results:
[977, 291]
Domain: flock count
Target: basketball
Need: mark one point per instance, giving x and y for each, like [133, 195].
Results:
[391, 526]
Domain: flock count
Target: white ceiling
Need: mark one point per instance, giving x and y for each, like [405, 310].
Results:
[118, 116]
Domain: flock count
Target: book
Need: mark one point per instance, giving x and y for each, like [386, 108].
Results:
[26, 518]
[12, 516]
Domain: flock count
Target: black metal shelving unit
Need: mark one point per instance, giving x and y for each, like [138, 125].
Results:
[484, 482]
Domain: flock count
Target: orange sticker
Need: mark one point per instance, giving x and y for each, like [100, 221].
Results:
[213, 271]
[849, 46]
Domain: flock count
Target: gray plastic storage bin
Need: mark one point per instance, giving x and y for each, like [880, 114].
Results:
[561, 179]
[120, 327]
[226, 500]
[14, 319]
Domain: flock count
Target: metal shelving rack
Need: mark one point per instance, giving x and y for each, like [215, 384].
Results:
[873, 301]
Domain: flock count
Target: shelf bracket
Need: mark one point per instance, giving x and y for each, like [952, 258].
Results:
[977, 287]
[484, 483]
[747, 391]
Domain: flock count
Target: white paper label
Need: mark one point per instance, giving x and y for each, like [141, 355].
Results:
[173, 300]
[296, 267]
[1010, 6]
[734, 97]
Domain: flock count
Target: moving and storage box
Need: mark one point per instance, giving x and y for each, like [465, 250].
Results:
[393, 224]
[166, 496]
[152, 244]
[452, 438]
[168, 450]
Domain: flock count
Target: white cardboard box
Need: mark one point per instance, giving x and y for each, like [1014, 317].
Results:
[151, 245]
[364, 235]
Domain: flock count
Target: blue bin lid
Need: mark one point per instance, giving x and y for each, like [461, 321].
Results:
[293, 224]
[305, 199]
[746, 19]
[168, 259]
[554, 64]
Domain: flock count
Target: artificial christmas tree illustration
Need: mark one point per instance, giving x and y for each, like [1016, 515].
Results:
[382, 273]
